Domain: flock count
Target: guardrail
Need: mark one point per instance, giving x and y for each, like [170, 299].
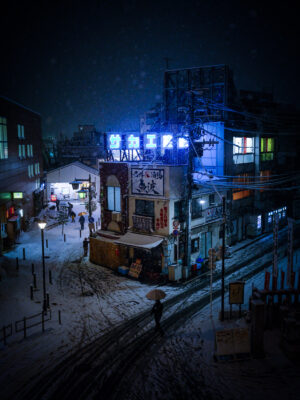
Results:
[25, 320]
[26, 323]
[5, 332]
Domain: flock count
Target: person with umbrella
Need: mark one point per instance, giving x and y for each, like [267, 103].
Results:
[157, 309]
[81, 221]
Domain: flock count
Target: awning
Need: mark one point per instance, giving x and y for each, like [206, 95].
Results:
[142, 241]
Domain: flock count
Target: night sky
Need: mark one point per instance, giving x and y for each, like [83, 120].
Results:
[103, 62]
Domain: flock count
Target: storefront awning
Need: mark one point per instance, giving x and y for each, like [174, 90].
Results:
[142, 241]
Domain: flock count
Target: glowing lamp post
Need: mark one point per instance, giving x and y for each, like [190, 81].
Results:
[42, 224]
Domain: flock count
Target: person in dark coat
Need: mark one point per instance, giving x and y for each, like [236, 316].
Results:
[157, 310]
[85, 247]
[82, 221]
[73, 215]
[91, 225]
[57, 204]
[70, 206]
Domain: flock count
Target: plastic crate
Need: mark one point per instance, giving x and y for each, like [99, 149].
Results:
[123, 270]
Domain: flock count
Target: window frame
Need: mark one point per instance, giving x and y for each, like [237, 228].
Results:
[3, 139]
[116, 205]
[142, 210]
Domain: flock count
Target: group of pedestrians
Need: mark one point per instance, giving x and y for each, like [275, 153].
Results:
[81, 220]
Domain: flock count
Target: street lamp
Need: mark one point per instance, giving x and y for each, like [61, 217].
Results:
[42, 225]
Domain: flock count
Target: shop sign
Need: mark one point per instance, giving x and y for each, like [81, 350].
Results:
[53, 197]
[17, 195]
[5, 196]
[147, 181]
[236, 292]
[135, 270]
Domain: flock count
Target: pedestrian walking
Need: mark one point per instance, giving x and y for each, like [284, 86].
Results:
[85, 247]
[91, 225]
[82, 221]
[73, 215]
[57, 204]
[70, 206]
[157, 310]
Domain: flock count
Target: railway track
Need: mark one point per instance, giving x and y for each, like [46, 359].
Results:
[100, 367]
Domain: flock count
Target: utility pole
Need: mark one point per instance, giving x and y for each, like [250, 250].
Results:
[223, 258]
[90, 197]
[188, 207]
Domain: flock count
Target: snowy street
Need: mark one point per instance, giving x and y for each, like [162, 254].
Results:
[108, 300]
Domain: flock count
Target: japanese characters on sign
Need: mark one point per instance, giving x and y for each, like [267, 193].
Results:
[133, 141]
[147, 181]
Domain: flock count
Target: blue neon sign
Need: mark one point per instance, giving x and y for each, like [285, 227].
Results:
[133, 142]
[150, 142]
[167, 141]
[183, 143]
[115, 141]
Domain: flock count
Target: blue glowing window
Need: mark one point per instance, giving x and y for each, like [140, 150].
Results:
[167, 141]
[150, 141]
[133, 142]
[115, 141]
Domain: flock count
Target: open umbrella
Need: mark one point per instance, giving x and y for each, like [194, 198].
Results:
[82, 213]
[156, 294]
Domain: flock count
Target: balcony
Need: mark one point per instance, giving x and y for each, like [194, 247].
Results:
[142, 223]
[212, 213]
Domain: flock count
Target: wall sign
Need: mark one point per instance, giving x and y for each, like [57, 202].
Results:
[147, 181]
[17, 195]
[236, 292]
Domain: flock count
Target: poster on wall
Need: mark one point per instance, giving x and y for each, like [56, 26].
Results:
[147, 181]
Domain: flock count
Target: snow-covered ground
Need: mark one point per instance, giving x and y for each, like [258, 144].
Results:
[108, 300]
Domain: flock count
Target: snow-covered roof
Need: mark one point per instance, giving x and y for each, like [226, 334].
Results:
[138, 240]
[77, 164]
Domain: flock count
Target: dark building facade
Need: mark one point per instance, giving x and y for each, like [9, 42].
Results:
[21, 168]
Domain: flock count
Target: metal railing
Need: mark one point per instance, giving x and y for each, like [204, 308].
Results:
[25, 326]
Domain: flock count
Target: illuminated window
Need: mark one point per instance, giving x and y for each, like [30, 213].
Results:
[113, 198]
[258, 224]
[37, 168]
[266, 149]
[29, 150]
[3, 139]
[243, 150]
[30, 171]
[197, 208]
[21, 134]
[240, 193]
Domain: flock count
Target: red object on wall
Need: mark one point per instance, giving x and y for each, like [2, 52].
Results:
[117, 252]
[267, 280]
[165, 217]
[157, 224]
[53, 197]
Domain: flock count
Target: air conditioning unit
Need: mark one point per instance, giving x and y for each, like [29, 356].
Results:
[116, 216]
